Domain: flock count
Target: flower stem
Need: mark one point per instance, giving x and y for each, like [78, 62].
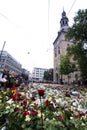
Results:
[41, 111]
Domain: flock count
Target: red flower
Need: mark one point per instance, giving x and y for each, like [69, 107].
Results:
[47, 103]
[82, 114]
[60, 118]
[26, 113]
[13, 88]
[36, 105]
[17, 109]
[33, 113]
[41, 92]
[16, 96]
[24, 102]
[77, 116]
[33, 98]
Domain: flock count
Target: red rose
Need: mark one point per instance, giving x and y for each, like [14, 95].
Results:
[33, 98]
[47, 103]
[41, 92]
[13, 88]
[33, 113]
[25, 113]
[24, 102]
[17, 109]
[16, 96]
[36, 105]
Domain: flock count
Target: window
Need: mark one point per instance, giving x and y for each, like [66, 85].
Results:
[67, 45]
[58, 50]
[55, 52]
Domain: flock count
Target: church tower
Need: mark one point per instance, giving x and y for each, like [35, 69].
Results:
[64, 21]
[60, 45]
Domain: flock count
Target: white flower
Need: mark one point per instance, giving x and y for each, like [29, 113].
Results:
[58, 100]
[27, 118]
[38, 102]
[30, 95]
[49, 98]
[13, 105]
[8, 107]
[10, 101]
[74, 104]
[79, 106]
[39, 113]
[71, 118]
[47, 119]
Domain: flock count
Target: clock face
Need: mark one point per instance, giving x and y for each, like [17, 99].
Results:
[85, 46]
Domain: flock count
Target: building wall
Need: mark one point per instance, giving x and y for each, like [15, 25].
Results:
[8, 62]
[60, 45]
[38, 74]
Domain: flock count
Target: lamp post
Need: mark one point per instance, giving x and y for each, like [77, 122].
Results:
[2, 50]
[1, 53]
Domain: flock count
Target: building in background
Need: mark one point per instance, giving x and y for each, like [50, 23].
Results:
[8, 62]
[60, 45]
[38, 74]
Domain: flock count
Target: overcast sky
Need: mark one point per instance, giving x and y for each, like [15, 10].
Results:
[30, 27]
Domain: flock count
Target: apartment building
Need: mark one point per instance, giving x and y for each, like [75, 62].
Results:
[38, 73]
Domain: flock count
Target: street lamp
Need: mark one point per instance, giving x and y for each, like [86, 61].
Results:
[1, 54]
[2, 50]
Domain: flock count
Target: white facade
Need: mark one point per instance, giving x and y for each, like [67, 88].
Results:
[38, 74]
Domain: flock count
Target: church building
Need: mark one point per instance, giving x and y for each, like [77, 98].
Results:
[60, 45]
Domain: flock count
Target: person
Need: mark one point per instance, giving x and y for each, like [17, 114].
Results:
[3, 81]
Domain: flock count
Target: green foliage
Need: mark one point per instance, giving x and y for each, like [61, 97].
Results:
[66, 66]
[78, 31]
[48, 75]
[78, 34]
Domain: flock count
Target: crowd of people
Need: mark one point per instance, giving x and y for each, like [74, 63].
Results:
[9, 78]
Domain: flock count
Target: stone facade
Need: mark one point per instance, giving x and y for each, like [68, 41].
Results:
[60, 45]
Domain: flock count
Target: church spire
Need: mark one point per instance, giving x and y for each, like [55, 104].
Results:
[64, 21]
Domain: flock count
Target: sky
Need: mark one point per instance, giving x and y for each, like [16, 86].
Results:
[30, 27]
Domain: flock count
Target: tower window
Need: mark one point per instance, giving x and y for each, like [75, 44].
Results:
[55, 52]
[58, 50]
[67, 45]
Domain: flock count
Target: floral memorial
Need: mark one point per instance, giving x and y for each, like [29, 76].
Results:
[43, 107]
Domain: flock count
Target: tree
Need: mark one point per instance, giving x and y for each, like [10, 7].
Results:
[66, 67]
[78, 34]
[48, 75]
